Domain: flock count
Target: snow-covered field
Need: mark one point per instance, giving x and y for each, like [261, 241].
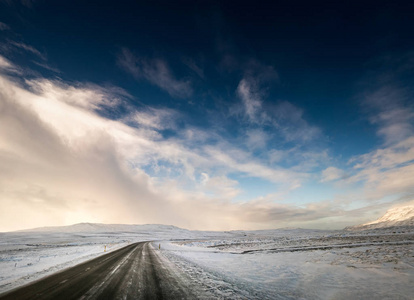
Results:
[269, 264]
[301, 264]
[26, 256]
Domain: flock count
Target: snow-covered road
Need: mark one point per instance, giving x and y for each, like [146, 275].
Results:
[132, 272]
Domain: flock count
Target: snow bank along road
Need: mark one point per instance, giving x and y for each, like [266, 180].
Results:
[132, 272]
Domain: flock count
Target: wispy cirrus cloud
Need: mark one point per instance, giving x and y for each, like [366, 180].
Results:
[88, 96]
[192, 64]
[28, 48]
[47, 67]
[240, 161]
[156, 71]
[388, 97]
[388, 170]
[7, 66]
[332, 174]
[286, 118]
[384, 176]
[256, 138]
[4, 26]
[156, 118]
[392, 112]
[11, 47]
[290, 121]
[251, 100]
[251, 90]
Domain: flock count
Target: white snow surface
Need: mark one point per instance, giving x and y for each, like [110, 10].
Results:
[394, 217]
[28, 255]
[266, 264]
[396, 214]
[300, 264]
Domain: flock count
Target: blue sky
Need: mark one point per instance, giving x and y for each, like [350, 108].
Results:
[205, 115]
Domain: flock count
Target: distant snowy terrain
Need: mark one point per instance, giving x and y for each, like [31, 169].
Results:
[395, 217]
[267, 264]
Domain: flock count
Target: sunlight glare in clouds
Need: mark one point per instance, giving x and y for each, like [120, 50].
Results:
[62, 162]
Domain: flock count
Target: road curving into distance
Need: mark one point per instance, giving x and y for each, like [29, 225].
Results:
[132, 272]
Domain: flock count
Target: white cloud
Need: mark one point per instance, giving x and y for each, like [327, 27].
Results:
[11, 47]
[220, 186]
[289, 120]
[251, 90]
[157, 118]
[7, 66]
[393, 116]
[256, 138]
[87, 96]
[60, 161]
[285, 118]
[384, 176]
[386, 172]
[331, 174]
[251, 101]
[241, 162]
[155, 71]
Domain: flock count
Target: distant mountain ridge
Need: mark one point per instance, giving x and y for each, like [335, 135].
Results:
[99, 227]
[156, 228]
[394, 217]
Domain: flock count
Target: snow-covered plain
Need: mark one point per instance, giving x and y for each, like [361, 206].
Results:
[267, 264]
[301, 264]
[29, 255]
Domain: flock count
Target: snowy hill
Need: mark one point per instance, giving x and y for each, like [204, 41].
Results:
[145, 232]
[395, 217]
[102, 228]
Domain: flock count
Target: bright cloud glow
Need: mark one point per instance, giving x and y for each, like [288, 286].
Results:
[61, 160]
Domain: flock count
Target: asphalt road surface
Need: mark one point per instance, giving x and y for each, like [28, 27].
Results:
[133, 272]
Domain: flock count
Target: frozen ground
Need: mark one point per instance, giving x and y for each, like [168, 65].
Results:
[299, 264]
[24, 259]
[272, 264]
[26, 256]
